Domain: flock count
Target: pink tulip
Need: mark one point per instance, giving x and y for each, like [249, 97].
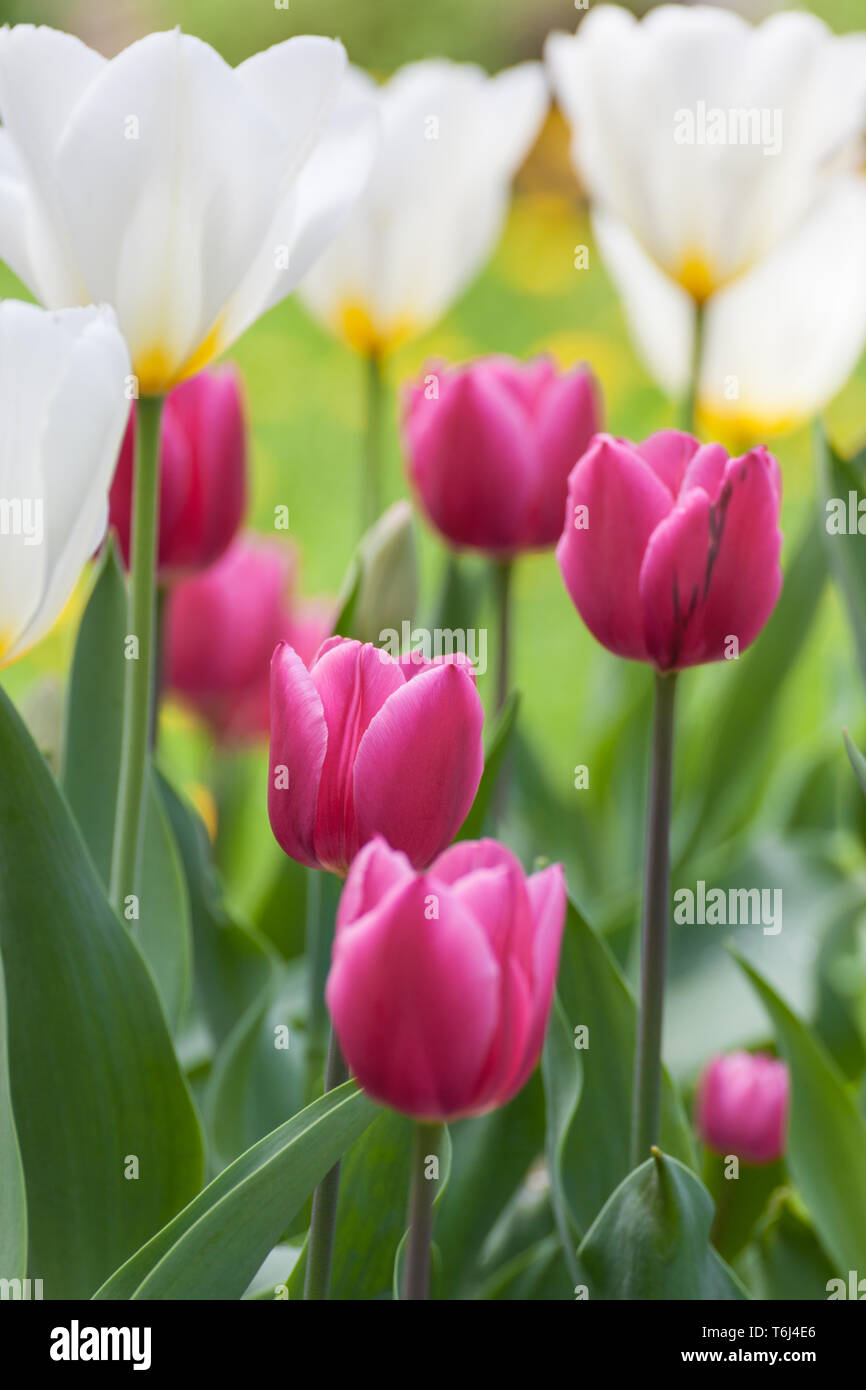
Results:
[221, 629]
[441, 982]
[490, 454]
[670, 550]
[742, 1106]
[362, 744]
[203, 468]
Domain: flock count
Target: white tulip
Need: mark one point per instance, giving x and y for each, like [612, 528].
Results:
[436, 202]
[780, 342]
[708, 138]
[188, 195]
[63, 410]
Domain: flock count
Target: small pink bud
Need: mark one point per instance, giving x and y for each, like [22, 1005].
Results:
[670, 550]
[742, 1106]
[490, 446]
[203, 473]
[441, 982]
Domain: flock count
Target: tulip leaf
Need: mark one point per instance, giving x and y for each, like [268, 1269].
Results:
[842, 485]
[494, 755]
[563, 1080]
[601, 1017]
[538, 1273]
[233, 963]
[91, 762]
[858, 762]
[827, 1138]
[110, 1144]
[786, 1260]
[651, 1241]
[212, 1248]
[13, 1197]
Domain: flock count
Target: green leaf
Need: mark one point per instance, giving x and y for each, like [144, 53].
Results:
[233, 963]
[13, 1198]
[856, 759]
[846, 554]
[94, 1076]
[212, 1249]
[786, 1260]
[827, 1137]
[652, 1240]
[91, 763]
[494, 754]
[594, 1149]
[562, 1073]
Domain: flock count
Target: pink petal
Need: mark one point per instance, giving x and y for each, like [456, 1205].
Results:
[376, 870]
[420, 762]
[299, 738]
[569, 414]
[669, 453]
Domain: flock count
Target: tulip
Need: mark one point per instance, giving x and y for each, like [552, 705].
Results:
[709, 138]
[247, 599]
[742, 1106]
[670, 550]
[435, 203]
[441, 982]
[384, 575]
[779, 343]
[363, 744]
[188, 195]
[62, 415]
[490, 447]
[203, 467]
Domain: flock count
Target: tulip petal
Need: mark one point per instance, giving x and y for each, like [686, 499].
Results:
[420, 762]
[568, 415]
[297, 83]
[377, 870]
[299, 739]
[414, 999]
[547, 902]
[354, 682]
[600, 563]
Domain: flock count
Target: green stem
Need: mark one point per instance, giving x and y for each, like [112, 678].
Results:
[323, 1220]
[690, 400]
[502, 572]
[158, 674]
[371, 504]
[422, 1190]
[654, 927]
[318, 945]
[128, 822]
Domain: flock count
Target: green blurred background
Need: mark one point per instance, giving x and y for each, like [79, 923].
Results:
[786, 813]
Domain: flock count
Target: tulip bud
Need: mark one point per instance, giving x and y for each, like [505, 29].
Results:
[203, 473]
[221, 628]
[385, 575]
[490, 447]
[670, 550]
[441, 982]
[742, 1106]
[362, 744]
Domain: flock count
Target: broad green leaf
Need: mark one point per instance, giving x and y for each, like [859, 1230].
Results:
[840, 480]
[536, 1274]
[13, 1198]
[494, 755]
[594, 1150]
[95, 1082]
[490, 1157]
[233, 963]
[562, 1074]
[827, 1136]
[651, 1241]
[91, 763]
[212, 1248]
[740, 1201]
[786, 1260]
[858, 762]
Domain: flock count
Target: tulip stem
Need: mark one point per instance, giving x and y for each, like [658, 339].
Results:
[422, 1190]
[690, 399]
[654, 927]
[137, 690]
[502, 572]
[372, 481]
[323, 1219]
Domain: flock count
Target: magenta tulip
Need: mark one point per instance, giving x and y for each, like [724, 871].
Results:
[363, 744]
[221, 629]
[670, 550]
[441, 982]
[742, 1106]
[203, 473]
[490, 447]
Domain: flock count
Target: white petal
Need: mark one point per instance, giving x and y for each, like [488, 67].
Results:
[297, 83]
[170, 175]
[62, 415]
